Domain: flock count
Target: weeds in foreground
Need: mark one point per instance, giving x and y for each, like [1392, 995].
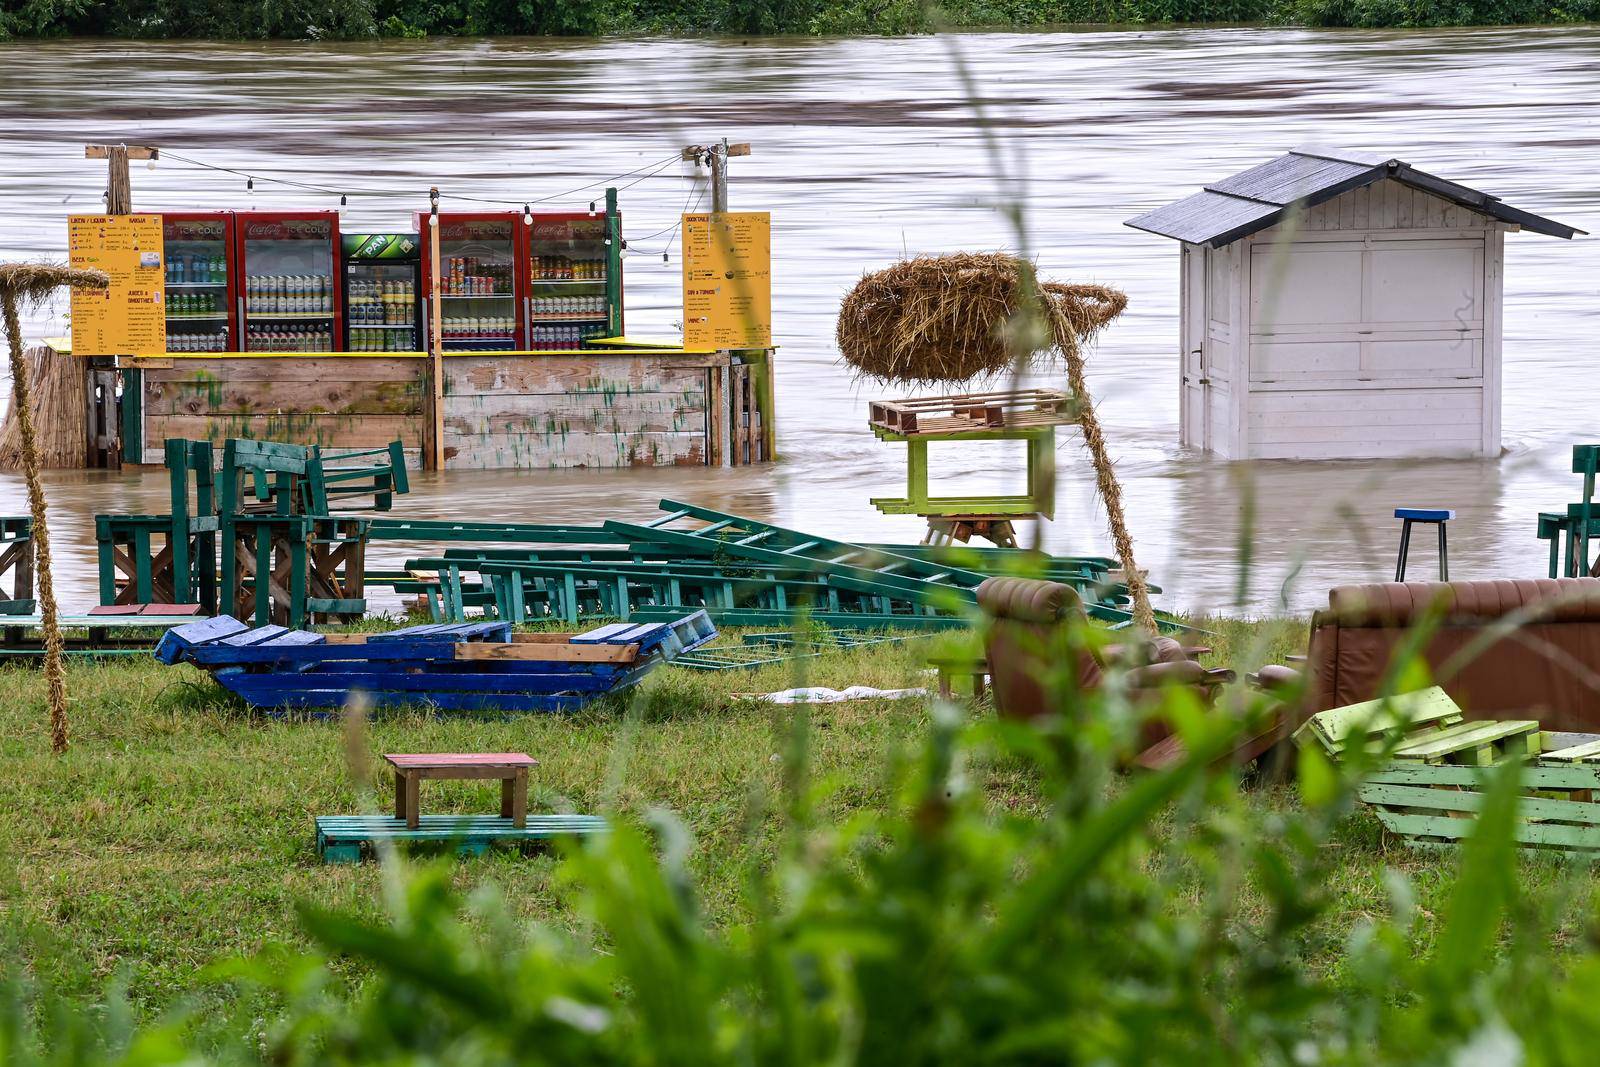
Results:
[1153, 919]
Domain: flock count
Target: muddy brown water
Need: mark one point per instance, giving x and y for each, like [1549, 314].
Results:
[866, 150]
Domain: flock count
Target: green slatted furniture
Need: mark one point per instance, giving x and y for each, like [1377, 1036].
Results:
[165, 559]
[16, 565]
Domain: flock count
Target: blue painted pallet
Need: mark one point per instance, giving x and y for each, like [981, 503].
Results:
[430, 665]
[344, 838]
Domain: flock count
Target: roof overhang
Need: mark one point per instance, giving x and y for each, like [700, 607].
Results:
[1263, 196]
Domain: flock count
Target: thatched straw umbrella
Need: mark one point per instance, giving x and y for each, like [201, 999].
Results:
[955, 318]
[31, 283]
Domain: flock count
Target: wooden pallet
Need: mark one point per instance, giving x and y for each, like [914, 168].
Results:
[1434, 786]
[1431, 805]
[927, 416]
[350, 838]
[453, 667]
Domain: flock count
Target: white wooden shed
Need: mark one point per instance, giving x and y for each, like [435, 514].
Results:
[1340, 306]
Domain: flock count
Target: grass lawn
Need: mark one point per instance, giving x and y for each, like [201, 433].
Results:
[178, 830]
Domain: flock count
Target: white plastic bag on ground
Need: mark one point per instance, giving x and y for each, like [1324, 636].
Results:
[817, 694]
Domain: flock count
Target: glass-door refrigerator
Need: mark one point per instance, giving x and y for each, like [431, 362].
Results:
[291, 289]
[481, 292]
[574, 291]
[197, 250]
[382, 283]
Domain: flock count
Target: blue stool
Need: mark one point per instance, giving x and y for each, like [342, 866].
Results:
[1437, 516]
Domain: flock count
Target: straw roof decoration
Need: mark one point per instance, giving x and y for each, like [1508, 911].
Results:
[956, 318]
[24, 284]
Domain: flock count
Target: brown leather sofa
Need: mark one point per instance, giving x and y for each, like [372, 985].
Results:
[1545, 666]
[1025, 634]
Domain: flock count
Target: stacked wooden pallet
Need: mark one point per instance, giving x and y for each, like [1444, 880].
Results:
[1430, 789]
[457, 667]
[970, 412]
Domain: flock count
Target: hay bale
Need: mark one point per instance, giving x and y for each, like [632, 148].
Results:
[965, 316]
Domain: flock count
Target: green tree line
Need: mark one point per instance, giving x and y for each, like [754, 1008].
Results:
[355, 19]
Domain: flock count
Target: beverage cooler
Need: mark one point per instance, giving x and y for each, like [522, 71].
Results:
[291, 289]
[481, 292]
[572, 295]
[201, 296]
[382, 284]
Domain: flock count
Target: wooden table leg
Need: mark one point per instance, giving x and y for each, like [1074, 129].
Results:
[412, 815]
[507, 788]
[944, 682]
[519, 798]
[399, 794]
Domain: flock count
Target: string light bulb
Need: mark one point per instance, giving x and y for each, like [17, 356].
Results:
[343, 199]
[591, 207]
[433, 206]
[663, 257]
[150, 164]
[527, 216]
[249, 185]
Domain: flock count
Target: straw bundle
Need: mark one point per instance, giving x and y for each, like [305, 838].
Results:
[29, 283]
[959, 317]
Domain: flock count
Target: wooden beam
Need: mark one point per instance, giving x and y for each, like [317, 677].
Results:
[135, 151]
[549, 652]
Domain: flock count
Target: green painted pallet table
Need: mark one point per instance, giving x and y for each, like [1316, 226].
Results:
[348, 838]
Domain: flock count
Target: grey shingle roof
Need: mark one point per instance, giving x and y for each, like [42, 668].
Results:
[1254, 199]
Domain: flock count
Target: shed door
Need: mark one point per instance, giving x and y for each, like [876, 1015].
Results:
[1196, 382]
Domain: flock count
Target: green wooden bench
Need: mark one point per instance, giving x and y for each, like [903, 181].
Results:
[16, 564]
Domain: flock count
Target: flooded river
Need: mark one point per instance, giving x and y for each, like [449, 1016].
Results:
[865, 150]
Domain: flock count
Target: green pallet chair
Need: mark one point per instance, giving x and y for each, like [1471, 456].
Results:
[183, 570]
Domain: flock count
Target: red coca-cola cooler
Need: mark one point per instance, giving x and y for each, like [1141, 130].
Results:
[482, 293]
[197, 248]
[288, 280]
[574, 282]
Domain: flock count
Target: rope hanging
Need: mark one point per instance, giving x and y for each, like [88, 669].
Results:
[32, 283]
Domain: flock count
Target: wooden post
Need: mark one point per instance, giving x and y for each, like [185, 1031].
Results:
[435, 341]
[105, 424]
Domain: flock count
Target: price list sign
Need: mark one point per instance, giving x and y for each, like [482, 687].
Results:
[129, 317]
[727, 280]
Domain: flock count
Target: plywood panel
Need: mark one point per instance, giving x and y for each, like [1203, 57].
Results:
[1310, 359]
[561, 416]
[213, 395]
[1440, 282]
[1314, 404]
[1305, 284]
[499, 451]
[345, 431]
[567, 374]
[1411, 357]
[237, 368]
[1219, 295]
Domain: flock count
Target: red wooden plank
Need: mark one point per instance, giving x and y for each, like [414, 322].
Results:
[424, 760]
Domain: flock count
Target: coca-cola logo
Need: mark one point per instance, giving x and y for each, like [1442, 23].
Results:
[288, 230]
[466, 231]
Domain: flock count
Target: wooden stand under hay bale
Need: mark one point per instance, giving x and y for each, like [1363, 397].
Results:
[974, 315]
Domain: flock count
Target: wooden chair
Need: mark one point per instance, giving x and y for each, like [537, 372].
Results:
[183, 570]
[285, 560]
[16, 562]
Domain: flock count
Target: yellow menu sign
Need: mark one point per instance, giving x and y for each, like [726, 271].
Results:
[129, 318]
[727, 280]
